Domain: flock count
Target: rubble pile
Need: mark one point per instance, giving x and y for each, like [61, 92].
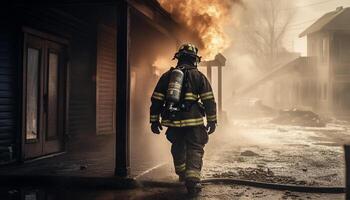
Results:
[261, 175]
[266, 175]
[297, 117]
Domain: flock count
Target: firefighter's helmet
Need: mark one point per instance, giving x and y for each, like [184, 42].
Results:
[188, 50]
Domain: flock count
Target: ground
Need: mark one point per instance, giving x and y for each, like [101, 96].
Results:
[261, 151]
[247, 149]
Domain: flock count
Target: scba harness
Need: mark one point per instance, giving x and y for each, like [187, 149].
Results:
[177, 100]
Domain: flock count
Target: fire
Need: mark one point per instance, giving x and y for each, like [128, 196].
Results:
[206, 18]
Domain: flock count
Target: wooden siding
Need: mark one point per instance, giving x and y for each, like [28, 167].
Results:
[105, 87]
[82, 92]
[8, 97]
[81, 114]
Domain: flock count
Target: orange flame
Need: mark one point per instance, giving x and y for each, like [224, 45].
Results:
[206, 18]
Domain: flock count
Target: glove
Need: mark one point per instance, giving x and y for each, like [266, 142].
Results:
[211, 126]
[155, 126]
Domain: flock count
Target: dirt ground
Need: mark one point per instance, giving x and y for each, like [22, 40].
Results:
[211, 192]
[247, 149]
[258, 150]
[261, 151]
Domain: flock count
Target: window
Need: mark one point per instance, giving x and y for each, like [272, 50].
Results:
[344, 50]
[32, 93]
[53, 72]
[341, 54]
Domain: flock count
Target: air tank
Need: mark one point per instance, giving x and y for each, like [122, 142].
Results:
[174, 88]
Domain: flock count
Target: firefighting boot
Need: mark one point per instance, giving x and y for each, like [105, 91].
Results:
[193, 187]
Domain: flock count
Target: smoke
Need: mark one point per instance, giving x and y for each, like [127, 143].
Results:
[207, 19]
[238, 29]
[147, 149]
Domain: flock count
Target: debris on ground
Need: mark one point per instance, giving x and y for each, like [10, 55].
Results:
[289, 155]
[249, 153]
[328, 177]
[261, 175]
[297, 117]
[290, 195]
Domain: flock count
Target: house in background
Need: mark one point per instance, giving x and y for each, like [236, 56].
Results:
[318, 82]
[328, 41]
[70, 72]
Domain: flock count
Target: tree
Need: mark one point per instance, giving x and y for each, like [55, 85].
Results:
[263, 26]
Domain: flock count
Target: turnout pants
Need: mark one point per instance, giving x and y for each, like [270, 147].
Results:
[187, 150]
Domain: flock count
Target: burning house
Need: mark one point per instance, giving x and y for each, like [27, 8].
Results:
[73, 77]
[318, 82]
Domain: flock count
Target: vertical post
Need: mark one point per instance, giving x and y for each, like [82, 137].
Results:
[122, 152]
[220, 89]
[347, 171]
[209, 73]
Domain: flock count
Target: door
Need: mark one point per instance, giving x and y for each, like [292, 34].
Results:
[44, 95]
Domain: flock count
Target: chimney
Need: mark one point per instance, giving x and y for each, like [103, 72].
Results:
[340, 8]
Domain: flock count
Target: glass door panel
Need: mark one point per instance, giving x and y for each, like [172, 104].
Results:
[51, 133]
[32, 94]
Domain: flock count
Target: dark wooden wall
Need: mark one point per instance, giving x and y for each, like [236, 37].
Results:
[105, 80]
[62, 23]
[82, 87]
[8, 94]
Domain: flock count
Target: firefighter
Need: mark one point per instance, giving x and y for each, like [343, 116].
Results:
[181, 98]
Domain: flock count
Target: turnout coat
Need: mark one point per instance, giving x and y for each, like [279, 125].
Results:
[197, 100]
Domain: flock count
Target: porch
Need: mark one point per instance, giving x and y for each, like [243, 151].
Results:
[92, 110]
[80, 167]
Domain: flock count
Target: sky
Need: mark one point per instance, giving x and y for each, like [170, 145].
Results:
[306, 13]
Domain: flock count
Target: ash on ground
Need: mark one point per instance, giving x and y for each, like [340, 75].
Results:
[262, 151]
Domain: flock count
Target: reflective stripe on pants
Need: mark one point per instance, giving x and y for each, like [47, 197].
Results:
[179, 169]
[188, 147]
